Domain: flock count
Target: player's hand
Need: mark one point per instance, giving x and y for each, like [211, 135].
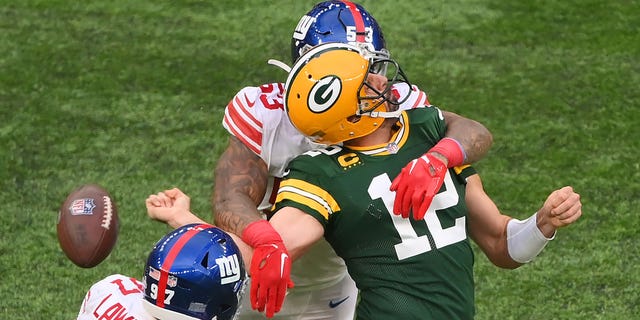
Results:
[417, 184]
[171, 207]
[270, 277]
[562, 207]
[270, 267]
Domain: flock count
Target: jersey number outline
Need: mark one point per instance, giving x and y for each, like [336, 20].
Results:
[411, 244]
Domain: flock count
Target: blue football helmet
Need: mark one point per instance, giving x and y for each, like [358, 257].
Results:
[338, 21]
[194, 272]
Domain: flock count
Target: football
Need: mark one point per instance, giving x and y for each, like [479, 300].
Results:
[88, 225]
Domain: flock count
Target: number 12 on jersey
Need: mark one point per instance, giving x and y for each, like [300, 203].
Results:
[411, 244]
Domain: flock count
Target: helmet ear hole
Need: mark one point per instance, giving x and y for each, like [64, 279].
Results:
[205, 260]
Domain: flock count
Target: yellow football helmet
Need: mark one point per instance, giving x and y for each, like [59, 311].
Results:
[326, 93]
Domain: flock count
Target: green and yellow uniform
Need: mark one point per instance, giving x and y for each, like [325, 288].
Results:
[405, 269]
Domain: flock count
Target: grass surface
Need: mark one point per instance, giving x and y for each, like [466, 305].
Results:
[130, 95]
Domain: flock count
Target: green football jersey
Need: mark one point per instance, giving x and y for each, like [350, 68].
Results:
[405, 269]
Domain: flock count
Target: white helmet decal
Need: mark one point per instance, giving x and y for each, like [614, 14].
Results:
[324, 93]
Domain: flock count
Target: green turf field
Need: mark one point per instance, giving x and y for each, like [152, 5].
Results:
[130, 95]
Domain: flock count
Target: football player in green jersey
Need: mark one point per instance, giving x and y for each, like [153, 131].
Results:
[405, 267]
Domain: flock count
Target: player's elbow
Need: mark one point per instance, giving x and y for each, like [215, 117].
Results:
[505, 262]
[482, 140]
[485, 135]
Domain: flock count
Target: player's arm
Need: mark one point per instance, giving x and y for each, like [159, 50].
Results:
[240, 184]
[173, 207]
[488, 227]
[298, 229]
[508, 242]
[474, 138]
[271, 269]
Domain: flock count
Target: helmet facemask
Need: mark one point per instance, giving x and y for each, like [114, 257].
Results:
[368, 103]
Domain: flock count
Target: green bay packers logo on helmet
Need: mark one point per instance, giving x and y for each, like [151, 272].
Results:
[322, 90]
[324, 93]
[333, 94]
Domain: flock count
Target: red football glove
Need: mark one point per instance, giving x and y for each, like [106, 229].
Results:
[416, 185]
[270, 267]
[421, 179]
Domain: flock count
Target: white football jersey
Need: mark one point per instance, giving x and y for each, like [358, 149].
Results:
[114, 297]
[256, 116]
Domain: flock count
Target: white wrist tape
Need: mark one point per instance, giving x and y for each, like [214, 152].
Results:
[524, 240]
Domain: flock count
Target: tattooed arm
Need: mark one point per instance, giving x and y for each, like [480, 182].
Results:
[240, 184]
[474, 137]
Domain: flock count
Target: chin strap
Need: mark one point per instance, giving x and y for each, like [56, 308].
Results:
[279, 64]
[384, 114]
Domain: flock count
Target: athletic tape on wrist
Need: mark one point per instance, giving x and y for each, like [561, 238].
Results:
[524, 240]
[260, 233]
[452, 150]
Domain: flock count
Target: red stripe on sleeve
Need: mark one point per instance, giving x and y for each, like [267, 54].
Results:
[420, 101]
[242, 137]
[244, 108]
[246, 122]
[243, 124]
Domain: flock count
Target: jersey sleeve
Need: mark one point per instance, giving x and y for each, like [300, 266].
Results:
[303, 188]
[244, 121]
[115, 294]
[463, 172]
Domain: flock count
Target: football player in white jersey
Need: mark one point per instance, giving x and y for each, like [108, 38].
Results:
[194, 272]
[112, 297]
[261, 144]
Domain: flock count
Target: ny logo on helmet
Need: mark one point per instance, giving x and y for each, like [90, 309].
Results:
[324, 93]
[229, 269]
[303, 27]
